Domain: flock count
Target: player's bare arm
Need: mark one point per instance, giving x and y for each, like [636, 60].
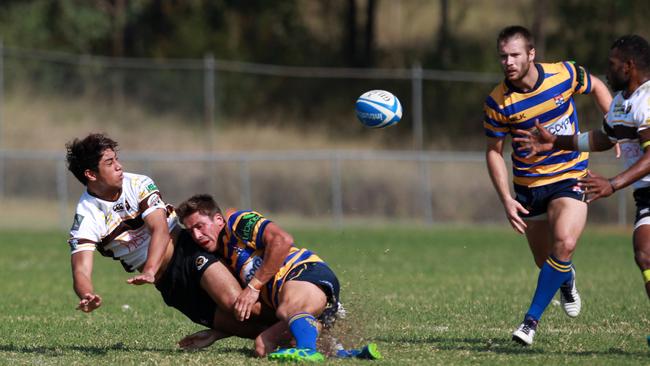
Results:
[82, 268]
[156, 222]
[601, 94]
[542, 140]
[597, 186]
[277, 244]
[499, 175]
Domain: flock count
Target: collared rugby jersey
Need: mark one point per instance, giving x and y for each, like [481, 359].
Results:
[550, 102]
[625, 119]
[242, 248]
[117, 229]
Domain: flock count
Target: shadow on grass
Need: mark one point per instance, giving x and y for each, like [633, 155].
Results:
[505, 346]
[55, 351]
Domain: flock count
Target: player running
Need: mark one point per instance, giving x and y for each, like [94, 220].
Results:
[549, 205]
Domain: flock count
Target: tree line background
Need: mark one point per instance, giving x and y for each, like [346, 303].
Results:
[436, 34]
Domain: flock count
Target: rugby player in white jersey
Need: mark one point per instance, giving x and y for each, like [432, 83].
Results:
[628, 123]
[122, 215]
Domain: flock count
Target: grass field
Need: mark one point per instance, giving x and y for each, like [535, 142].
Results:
[426, 296]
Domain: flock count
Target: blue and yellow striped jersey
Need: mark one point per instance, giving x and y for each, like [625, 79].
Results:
[551, 102]
[242, 247]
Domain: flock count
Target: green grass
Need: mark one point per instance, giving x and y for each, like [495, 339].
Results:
[425, 296]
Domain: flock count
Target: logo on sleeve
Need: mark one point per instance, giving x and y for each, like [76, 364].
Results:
[200, 262]
[246, 225]
[74, 243]
[76, 223]
[153, 200]
[151, 187]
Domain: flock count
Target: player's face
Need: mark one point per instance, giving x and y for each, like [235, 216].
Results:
[516, 59]
[109, 170]
[618, 72]
[204, 229]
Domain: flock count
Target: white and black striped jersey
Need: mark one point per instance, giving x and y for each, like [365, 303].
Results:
[117, 229]
[625, 119]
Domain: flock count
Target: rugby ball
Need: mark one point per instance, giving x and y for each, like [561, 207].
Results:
[378, 109]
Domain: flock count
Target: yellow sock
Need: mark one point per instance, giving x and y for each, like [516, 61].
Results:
[646, 275]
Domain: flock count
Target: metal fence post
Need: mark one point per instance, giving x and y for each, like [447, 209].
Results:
[425, 189]
[62, 193]
[2, 97]
[416, 108]
[245, 179]
[337, 191]
[622, 207]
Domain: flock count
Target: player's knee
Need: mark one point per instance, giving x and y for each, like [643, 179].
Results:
[260, 348]
[642, 258]
[566, 246]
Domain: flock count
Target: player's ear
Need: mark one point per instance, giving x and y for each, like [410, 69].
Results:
[531, 54]
[90, 175]
[218, 219]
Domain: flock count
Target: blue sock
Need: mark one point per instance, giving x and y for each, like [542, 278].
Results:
[552, 275]
[304, 330]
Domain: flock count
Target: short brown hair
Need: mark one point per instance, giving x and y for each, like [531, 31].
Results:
[516, 31]
[201, 203]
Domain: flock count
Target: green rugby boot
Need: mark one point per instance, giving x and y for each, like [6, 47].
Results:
[296, 355]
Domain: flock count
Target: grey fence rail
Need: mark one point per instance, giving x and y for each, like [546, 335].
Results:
[426, 187]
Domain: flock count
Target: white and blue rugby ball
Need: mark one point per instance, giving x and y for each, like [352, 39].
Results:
[378, 109]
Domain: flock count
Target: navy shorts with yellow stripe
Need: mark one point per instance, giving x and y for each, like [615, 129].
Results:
[321, 275]
[536, 199]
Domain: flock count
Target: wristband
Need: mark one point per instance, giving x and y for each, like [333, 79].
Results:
[252, 287]
[583, 142]
[611, 184]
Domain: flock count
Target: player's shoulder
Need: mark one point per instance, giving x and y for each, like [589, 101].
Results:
[136, 179]
[497, 95]
[244, 223]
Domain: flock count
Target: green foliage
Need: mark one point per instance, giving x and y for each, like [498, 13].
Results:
[427, 296]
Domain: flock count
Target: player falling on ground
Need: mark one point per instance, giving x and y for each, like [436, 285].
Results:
[295, 282]
[549, 205]
[123, 216]
[627, 123]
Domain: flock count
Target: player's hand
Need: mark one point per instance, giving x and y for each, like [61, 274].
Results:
[198, 340]
[617, 148]
[142, 279]
[89, 302]
[595, 186]
[513, 209]
[534, 142]
[245, 302]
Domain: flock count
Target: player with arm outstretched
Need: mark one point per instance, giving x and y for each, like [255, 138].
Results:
[122, 215]
[627, 123]
[548, 206]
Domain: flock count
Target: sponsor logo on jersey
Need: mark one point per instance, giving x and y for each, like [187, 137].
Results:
[200, 262]
[76, 223]
[518, 117]
[151, 187]
[118, 207]
[559, 100]
[246, 225]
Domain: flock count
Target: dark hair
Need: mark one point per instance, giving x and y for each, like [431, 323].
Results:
[514, 31]
[86, 154]
[201, 203]
[635, 48]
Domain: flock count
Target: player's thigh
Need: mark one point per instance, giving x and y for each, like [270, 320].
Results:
[567, 217]
[301, 297]
[221, 285]
[539, 238]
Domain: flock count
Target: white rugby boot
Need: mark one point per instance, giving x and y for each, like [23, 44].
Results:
[525, 332]
[570, 298]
